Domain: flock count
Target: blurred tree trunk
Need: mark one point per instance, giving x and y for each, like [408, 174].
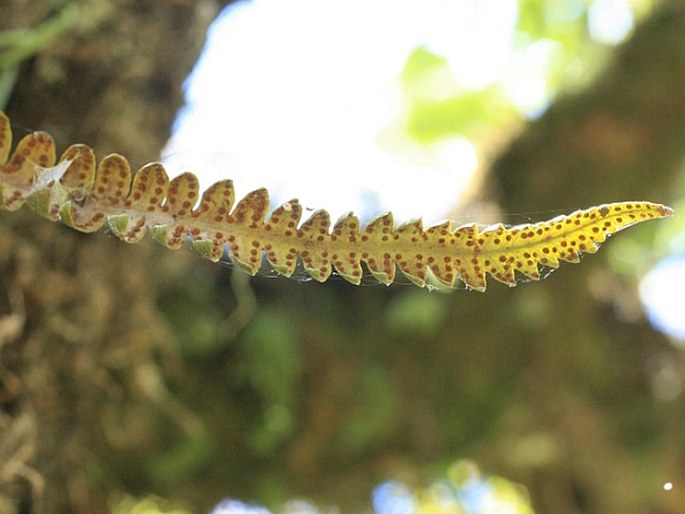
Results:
[114, 79]
[76, 368]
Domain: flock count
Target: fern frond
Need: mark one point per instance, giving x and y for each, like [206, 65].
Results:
[86, 195]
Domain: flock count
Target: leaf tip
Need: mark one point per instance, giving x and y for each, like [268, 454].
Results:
[666, 211]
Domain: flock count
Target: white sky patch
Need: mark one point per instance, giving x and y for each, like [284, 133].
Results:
[662, 292]
[475, 38]
[610, 21]
[230, 506]
[293, 95]
[526, 82]
[393, 498]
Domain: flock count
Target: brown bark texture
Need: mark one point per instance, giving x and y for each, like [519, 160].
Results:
[113, 78]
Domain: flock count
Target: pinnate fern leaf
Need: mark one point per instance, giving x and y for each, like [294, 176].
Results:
[86, 195]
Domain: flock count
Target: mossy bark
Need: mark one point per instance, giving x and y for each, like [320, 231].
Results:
[74, 374]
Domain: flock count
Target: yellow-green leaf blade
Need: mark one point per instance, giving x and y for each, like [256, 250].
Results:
[501, 252]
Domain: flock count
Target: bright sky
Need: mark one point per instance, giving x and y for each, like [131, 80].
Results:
[663, 293]
[293, 95]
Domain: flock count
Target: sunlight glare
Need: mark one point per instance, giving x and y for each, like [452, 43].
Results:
[475, 38]
[526, 82]
[231, 506]
[610, 21]
[393, 498]
[295, 96]
[662, 292]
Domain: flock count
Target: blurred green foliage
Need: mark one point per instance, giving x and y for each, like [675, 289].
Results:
[551, 45]
[271, 364]
[439, 108]
[18, 45]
